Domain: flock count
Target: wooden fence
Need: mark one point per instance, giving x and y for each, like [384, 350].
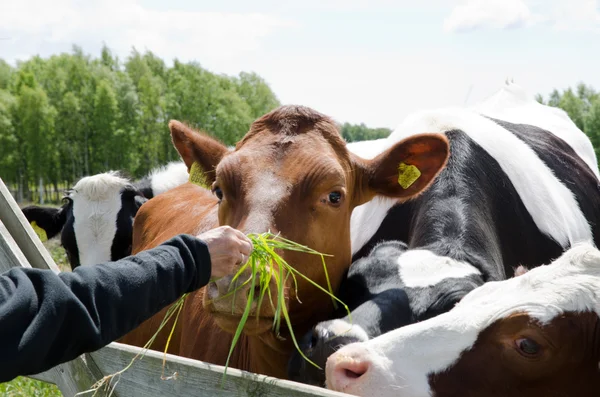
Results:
[20, 247]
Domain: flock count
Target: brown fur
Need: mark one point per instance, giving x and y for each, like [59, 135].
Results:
[296, 157]
[567, 365]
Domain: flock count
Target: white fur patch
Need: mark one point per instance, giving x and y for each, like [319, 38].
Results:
[342, 328]
[423, 268]
[513, 104]
[551, 204]
[96, 204]
[406, 357]
[267, 192]
[168, 177]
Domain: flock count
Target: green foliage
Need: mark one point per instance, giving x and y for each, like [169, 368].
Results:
[582, 104]
[25, 387]
[73, 115]
[360, 132]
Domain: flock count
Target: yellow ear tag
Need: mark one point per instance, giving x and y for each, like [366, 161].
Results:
[407, 175]
[41, 233]
[197, 176]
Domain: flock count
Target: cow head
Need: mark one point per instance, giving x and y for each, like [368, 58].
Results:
[96, 219]
[292, 174]
[537, 334]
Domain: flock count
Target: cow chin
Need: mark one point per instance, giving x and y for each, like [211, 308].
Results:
[254, 325]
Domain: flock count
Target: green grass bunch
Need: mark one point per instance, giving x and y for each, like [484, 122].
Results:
[261, 270]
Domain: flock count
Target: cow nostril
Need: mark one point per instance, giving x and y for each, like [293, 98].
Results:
[257, 290]
[352, 374]
[354, 369]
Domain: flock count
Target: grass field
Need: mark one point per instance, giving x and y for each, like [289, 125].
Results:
[25, 387]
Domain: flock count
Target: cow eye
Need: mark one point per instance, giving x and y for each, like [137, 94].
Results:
[528, 347]
[218, 192]
[335, 197]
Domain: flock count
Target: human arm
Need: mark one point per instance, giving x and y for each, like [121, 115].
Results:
[47, 319]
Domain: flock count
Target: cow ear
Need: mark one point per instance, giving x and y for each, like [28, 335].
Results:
[404, 170]
[197, 150]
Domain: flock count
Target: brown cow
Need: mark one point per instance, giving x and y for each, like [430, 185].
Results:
[535, 335]
[291, 174]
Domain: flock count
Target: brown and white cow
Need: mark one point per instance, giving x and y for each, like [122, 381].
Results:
[533, 335]
[291, 174]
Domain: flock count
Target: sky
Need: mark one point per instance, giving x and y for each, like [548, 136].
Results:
[359, 61]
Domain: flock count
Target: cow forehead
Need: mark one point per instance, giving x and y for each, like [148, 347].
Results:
[571, 283]
[290, 160]
[99, 187]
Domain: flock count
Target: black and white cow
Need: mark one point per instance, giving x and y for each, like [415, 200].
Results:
[96, 220]
[520, 187]
[383, 294]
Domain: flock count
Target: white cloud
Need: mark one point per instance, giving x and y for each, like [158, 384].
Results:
[506, 14]
[576, 15]
[220, 36]
[497, 14]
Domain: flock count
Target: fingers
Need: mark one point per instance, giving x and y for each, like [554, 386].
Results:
[245, 244]
[244, 239]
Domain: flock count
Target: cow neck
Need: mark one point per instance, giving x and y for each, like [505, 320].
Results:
[451, 227]
[473, 213]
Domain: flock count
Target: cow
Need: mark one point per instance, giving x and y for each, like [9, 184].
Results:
[533, 335]
[291, 158]
[96, 219]
[382, 294]
[516, 191]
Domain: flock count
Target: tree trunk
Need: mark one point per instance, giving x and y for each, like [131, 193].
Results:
[41, 190]
[56, 197]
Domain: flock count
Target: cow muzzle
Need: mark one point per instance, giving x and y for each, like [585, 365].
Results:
[227, 300]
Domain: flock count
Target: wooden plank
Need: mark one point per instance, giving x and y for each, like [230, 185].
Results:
[10, 253]
[18, 240]
[22, 232]
[193, 377]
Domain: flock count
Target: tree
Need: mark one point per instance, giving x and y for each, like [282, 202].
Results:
[104, 120]
[592, 125]
[254, 90]
[360, 132]
[574, 107]
[34, 129]
[583, 107]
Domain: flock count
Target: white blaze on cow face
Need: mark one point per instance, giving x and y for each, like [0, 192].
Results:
[266, 194]
[423, 268]
[96, 204]
[340, 327]
[400, 362]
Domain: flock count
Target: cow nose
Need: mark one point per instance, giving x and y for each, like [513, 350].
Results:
[348, 369]
[229, 296]
[220, 287]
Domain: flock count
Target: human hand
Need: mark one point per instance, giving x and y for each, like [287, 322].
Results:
[227, 247]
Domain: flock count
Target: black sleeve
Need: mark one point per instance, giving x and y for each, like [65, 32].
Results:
[47, 319]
